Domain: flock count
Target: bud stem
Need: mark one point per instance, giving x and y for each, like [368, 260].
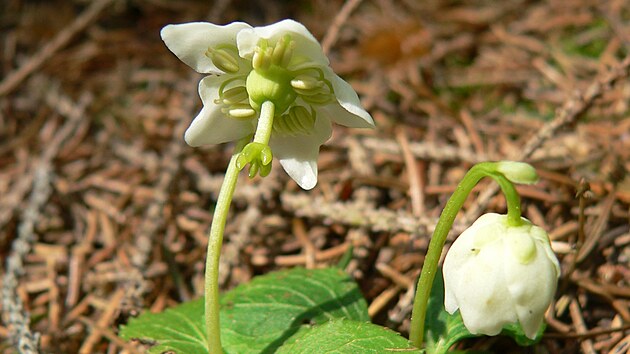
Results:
[215, 240]
[454, 204]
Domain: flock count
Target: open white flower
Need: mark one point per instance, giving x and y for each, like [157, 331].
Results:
[281, 63]
[497, 274]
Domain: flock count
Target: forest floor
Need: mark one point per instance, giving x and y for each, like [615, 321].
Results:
[104, 209]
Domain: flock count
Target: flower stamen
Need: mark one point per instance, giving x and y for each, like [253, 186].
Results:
[283, 51]
[306, 82]
[298, 120]
[239, 111]
[234, 95]
[312, 86]
[224, 58]
[262, 55]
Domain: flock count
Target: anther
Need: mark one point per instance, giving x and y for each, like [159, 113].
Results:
[262, 55]
[241, 111]
[302, 117]
[223, 60]
[234, 95]
[306, 82]
[298, 120]
[283, 51]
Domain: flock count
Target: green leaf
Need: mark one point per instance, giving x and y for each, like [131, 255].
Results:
[180, 329]
[515, 331]
[258, 317]
[347, 336]
[442, 329]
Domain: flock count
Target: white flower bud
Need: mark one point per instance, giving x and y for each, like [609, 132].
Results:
[497, 274]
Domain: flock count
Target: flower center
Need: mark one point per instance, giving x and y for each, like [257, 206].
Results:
[274, 85]
[271, 80]
[279, 77]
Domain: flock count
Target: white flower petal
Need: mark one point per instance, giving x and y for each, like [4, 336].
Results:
[542, 239]
[190, 41]
[211, 126]
[486, 307]
[498, 274]
[531, 302]
[348, 111]
[298, 154]
[306, 46]
[484, 304]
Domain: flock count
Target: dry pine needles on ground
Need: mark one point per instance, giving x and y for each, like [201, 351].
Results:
[103, 208]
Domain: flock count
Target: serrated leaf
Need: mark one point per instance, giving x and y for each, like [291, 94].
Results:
[258, 317]
[442, 329]
[342, 336]
[180, 329]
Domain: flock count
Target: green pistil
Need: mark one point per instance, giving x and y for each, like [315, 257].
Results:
[259, 157]
[273, 85]
[257, 153]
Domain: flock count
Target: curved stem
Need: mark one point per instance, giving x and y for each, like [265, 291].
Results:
[454, 204]
[513, 199]
[215, 240]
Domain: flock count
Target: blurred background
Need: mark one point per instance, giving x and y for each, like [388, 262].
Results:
[104, 208]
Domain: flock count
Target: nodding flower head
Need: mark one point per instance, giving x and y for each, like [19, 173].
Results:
[281, 63]
[497, 274]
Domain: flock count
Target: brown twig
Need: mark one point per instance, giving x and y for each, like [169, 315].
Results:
[12, 307]
[299, 230]
[359, 215]
[333, 30]
[580, 326]
[576, 104]
[153, 219]
[588, 334]
[422, 150]
[13, 311]
[415, 186]
[104, 321]
[13, 79]
[301, 259]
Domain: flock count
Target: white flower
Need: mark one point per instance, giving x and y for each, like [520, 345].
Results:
[282, 63]
[498, 274]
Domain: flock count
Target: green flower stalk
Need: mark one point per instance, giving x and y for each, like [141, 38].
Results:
[274, 84]
[488, 272]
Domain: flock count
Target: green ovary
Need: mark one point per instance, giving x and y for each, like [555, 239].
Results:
[272, 84]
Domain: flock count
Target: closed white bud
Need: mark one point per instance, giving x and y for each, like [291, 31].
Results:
[518, 172]
[497, 274]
